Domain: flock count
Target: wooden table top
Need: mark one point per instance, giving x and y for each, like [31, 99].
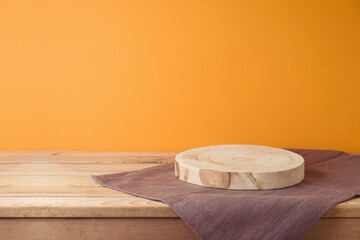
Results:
[59, 185]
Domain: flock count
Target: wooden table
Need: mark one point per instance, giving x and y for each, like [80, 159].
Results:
[50, 195]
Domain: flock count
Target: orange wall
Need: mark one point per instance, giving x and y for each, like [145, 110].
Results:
[171, 75]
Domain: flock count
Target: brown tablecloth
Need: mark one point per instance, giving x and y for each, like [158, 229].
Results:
[330, 177]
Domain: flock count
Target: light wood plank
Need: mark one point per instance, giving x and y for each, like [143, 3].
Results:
[85, 157]
[140, 228]
[348, 209]
[335, 229]
[95, 229]
[83, 207]
[58, 184]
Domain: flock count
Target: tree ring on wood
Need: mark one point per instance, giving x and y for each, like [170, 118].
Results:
[242, 167]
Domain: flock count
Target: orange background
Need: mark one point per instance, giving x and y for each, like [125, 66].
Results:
[171, 75]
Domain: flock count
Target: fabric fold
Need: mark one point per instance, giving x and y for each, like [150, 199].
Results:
[330, 177]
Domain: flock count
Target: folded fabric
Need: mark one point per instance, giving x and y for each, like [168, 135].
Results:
[330, 177]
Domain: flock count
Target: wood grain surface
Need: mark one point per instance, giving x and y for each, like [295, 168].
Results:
[144, 229]
[250, 167]
[50, 195]
[59, 184]
[95, 229]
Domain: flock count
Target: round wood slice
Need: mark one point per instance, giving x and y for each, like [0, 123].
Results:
[249, 167]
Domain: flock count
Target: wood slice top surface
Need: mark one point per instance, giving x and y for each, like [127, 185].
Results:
[249, 167]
